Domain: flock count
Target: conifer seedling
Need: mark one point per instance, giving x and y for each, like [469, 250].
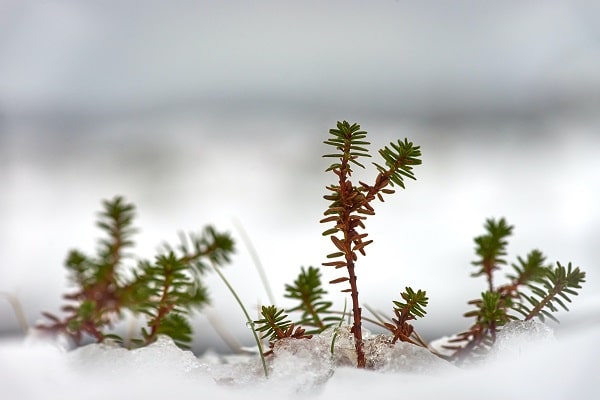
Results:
[165, 290]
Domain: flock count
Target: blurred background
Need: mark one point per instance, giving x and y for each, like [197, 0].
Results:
[214, 112]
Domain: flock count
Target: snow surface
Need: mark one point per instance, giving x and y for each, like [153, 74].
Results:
[529, 362]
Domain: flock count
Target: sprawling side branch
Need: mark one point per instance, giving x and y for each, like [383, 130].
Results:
[533, 290]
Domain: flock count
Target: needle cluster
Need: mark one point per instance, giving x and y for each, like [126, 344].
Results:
[535, 289]
[162, 292]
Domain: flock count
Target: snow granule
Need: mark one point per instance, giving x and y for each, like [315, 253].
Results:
[518, 337]
[304, 363]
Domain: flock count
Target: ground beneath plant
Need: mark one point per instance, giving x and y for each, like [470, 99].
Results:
[529, 361]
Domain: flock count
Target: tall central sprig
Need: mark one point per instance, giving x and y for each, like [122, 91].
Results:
[350, 204]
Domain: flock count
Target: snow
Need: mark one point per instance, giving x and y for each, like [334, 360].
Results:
[529, 362]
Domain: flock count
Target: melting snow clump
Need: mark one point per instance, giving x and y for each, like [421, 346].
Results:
[314, 360]
[111, 358]
[518, 337]
[305, 364]
[406, 357]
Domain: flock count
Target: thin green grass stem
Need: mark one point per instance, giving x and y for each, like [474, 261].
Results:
[18, 310]
[256, 260]
[335, 334]
[248, 319]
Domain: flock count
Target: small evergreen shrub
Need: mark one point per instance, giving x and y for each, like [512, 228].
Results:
[163, 291]
[166, 289]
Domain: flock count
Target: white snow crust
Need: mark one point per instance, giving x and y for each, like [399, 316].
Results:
[527, 363]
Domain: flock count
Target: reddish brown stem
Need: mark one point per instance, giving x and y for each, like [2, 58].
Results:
[356, 312]
[346, 197]
[163, 310]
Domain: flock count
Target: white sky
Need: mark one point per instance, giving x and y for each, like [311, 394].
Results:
[98, 56]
